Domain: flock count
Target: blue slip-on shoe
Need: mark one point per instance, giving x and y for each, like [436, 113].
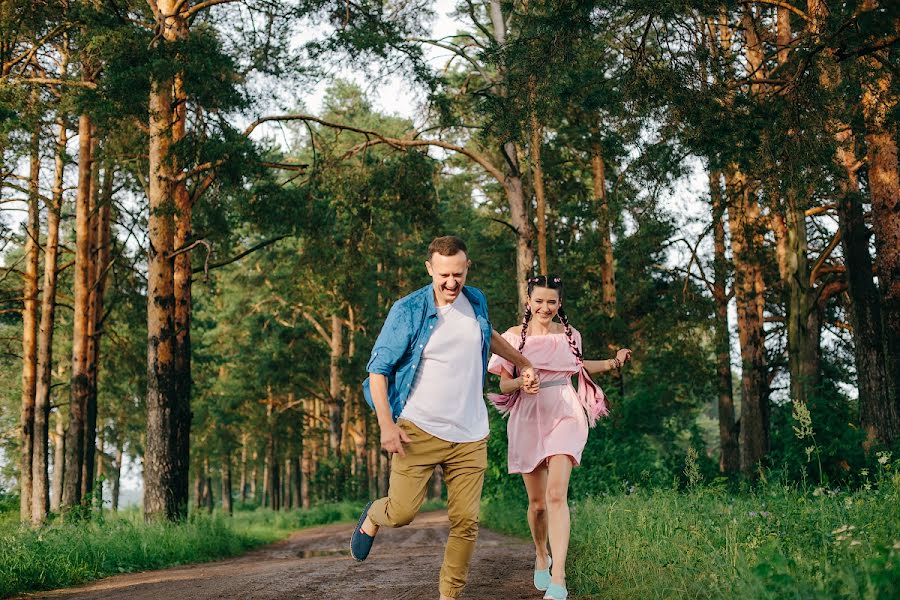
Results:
[360, 541]
[556, 592]
[542, 577]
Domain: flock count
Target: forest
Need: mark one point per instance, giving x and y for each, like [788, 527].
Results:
[194, 265]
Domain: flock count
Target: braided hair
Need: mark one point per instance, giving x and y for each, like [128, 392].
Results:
[552, 282]
[526, 318]
[568, 329]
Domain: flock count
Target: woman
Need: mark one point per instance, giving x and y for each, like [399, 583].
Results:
[548, 427]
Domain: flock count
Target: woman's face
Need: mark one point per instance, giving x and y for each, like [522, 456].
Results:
[544, 304]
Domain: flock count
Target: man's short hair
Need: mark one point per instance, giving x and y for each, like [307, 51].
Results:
[447, 245]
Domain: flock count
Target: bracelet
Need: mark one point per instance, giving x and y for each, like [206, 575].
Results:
[617, 364]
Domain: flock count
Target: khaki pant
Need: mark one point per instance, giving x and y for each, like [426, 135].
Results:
[463, 465]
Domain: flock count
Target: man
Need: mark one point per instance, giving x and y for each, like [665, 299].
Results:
[426, 381]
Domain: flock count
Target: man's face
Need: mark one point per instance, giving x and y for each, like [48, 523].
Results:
[448, 276]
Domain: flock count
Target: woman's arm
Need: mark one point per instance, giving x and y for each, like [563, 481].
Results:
[503, 349]
[508, 383]
[602, 366]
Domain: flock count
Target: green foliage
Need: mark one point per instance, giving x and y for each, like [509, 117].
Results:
[775, 542]
[64, 554]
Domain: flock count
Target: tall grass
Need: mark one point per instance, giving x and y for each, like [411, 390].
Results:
[63, 554]
[776, 542]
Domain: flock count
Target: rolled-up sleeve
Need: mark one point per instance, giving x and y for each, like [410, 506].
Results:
[391, 344]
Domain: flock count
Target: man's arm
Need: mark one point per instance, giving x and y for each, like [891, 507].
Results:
[392, 343]
[392, 436]
[504, 349]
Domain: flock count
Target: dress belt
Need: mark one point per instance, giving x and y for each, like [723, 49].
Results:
[554, 382]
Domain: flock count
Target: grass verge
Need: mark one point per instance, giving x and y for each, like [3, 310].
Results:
[65, 554]
[778, 542]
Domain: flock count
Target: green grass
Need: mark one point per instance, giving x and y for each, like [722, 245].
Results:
[777, 542]
[64, 554]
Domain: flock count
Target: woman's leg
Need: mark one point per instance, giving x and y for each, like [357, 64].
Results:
[560, 468]
[536, 484]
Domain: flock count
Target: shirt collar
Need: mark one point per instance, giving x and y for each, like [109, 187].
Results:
[472, 297]
[429, 300]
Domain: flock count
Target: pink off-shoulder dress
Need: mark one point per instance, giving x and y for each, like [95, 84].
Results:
[555, 420]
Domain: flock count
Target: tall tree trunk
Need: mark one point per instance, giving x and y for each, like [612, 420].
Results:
[512, 184]
[227, 507]
[336, 402]
[802, 312]
[287, 483]
[101, 469]
[90, 425]
[244, 450]
[59, 462]
[266, 489]
[384, 472]
[803, 322]
[117, 474]
[198, 488]
[746, 243]
[182, 287]
[166, 458]
[305, 454]
[879, 103]
[270, 480]
[537, 172]
[296, 482]
[518, 211]
[40, 504]
[208, 498]
[283, 475]
[254, 477]
[358, 435]
[372, 470]
[101, 263]
[305, 476]
[607, 264]
[80, 383]
[729, 458]
[876, 405]
[30, 328]
[747, 246]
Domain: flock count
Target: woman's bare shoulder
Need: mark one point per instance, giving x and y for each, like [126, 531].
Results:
[515, 330]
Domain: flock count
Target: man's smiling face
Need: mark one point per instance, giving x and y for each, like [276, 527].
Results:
[448, 276]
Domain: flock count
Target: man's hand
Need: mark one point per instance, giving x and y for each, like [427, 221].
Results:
[393, 438]
[530, 382]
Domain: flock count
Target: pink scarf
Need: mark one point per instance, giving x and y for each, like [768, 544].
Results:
[592, 398]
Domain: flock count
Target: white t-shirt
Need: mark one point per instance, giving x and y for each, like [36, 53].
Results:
[447, 398]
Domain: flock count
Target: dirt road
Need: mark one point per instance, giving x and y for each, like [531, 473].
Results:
[315, 564]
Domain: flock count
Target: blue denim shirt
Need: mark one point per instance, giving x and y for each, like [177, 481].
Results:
[398, 350]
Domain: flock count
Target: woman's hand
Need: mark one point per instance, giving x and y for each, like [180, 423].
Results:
[623, 355]
[529, 382]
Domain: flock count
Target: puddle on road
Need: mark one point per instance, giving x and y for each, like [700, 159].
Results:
[321, 553]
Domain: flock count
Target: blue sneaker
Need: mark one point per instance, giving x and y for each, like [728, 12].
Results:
[556, 592]
[360, 541]
[542, 577]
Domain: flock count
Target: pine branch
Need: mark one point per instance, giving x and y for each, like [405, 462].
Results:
[781, 4]
[241, 255]
[814, 272]
[380, 138]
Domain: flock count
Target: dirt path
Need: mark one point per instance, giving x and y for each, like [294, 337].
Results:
[315, 564]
